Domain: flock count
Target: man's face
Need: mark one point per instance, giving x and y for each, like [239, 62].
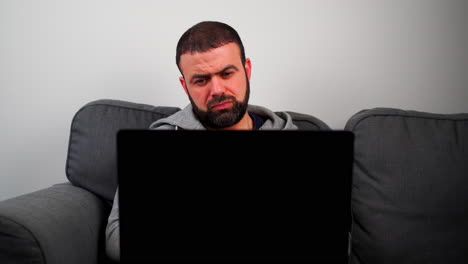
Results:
[217, 85]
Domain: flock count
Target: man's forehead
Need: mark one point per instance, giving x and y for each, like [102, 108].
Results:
[211, 60]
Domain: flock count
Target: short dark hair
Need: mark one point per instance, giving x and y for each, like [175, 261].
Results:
[205, 36]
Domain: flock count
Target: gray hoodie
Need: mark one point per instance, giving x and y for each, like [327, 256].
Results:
[186, 119]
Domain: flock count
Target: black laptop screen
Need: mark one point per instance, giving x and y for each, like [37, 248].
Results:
[234, 195]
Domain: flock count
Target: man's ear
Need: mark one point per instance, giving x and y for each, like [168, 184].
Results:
[248, 67]
[184, 85]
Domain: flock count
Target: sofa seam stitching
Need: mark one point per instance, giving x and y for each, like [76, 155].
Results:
[32, 235]
[410, 116]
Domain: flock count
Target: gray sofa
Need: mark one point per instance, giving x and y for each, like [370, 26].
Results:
[66, 222]
[409, 193]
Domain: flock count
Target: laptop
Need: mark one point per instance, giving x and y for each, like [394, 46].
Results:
[234, 196]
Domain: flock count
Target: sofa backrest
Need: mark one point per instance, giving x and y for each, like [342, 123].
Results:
[91, 159]
[410, 187]
[306, 122]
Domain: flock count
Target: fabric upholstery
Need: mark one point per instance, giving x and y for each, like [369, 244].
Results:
[60, 224]
[307, 122]
[17, 244]
[410, 187]
[91, 161]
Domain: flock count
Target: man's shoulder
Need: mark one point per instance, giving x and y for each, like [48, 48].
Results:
[162, 127]
[183, 119]
[273, 120]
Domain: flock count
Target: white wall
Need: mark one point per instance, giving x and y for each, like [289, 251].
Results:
[326, 58]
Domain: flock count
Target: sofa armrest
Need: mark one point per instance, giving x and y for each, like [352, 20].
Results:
[60, 224]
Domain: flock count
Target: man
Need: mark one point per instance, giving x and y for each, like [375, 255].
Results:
[216, 78]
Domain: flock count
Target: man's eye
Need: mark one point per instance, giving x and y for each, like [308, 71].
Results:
[227, 74]
[200, 81]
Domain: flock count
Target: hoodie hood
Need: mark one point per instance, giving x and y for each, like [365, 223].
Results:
[186, 119]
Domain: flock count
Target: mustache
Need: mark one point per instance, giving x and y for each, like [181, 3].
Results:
[220, 98]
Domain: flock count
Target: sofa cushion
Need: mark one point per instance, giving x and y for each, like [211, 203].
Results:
[306, 122]
[410, 187]
[91, 159]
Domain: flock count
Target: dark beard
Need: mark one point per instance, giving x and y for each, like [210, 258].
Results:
[225, 117]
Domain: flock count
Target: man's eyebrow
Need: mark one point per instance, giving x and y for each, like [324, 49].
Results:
[228, 67]
[199, 76]
[206, 76]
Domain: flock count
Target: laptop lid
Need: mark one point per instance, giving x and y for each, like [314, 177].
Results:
[230, 196]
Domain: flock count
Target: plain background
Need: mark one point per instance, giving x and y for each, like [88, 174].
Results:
[327, 58]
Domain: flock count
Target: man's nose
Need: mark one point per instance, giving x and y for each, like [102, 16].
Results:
[217, 86]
